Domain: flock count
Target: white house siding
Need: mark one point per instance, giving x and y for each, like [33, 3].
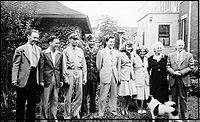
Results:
[159, 19]
[150, 15]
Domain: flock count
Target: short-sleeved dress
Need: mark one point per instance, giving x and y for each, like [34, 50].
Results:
[158, 78]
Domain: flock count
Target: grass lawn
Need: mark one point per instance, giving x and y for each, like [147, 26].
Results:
[193, 111]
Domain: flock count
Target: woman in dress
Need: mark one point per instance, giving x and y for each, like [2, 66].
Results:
[126, 86]
[158, 73]
[140, 64]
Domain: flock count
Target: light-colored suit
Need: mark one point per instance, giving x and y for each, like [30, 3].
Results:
[107, 66]
[186, 66]
[21, 65]
[27, 79]
[179, 83]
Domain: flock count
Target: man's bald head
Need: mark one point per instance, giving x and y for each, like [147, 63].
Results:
[179, 45]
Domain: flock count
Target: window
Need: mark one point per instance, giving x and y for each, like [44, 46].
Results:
[143, 40]
[164, 34]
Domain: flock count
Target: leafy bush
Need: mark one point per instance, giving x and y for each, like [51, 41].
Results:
[14, 23]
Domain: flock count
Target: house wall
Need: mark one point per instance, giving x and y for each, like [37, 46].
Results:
[153, 13]
[194, 39]
[184, 13]
[151, 30]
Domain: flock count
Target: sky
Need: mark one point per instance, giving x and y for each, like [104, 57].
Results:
[125, 12]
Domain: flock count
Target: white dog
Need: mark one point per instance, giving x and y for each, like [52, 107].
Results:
[157, 108]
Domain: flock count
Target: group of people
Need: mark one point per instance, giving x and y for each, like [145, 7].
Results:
[127, 73]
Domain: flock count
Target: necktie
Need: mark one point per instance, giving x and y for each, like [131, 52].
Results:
[34, 57]
[111, 54]
[179, 59]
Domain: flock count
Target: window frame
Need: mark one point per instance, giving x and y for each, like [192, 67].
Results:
[169, 34]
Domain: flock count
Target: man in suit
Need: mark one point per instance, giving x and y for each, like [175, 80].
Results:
[50, 67]
[25, 76]
[90, 87]
[106, 63]
[75, 74]
[179, 65]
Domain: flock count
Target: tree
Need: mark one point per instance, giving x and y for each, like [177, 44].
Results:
[14, 23]
[107, 26]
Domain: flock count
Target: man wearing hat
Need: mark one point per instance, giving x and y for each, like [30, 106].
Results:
[75, 74]
[90, 88]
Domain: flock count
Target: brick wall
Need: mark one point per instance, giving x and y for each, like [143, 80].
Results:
[194, 30]
[184, 9]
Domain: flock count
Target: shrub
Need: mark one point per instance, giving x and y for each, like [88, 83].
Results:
[14, 23]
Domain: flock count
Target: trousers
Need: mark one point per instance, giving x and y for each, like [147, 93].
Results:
[27, 94]
[104, 91]
[73, 94]
[49, 100]
[179, 90]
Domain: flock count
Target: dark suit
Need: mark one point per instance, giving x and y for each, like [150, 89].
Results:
[27, 81]
[179, 84]
[50, 75]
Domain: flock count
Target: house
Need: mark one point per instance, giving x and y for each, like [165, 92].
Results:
[158, 21]
[52, 15]
[188, 26]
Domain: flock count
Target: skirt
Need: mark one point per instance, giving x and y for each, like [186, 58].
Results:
[143, 92]
[127, 88]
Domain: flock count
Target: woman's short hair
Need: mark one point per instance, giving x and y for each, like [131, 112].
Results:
[138, 49]
[123, 47]
[90, 37]
[156, 45]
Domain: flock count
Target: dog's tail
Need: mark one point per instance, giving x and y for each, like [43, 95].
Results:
[170, 103]
[169, 109]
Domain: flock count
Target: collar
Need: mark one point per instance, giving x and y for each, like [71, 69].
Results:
[29, 45]
[158, 57]
[108, 49]
[70, 46]
[180, 52]
[49, 51]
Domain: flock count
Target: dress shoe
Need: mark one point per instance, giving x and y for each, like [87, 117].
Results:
[97, 116]
[77, 116]
[144, 111]
[84, 116]
[123, 112]
[114, 113]
[139, 111]
[126, 112]
[67, 117]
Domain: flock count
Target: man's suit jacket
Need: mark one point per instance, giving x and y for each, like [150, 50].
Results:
[21, 65]
[140, 70]
[125, 67]
[47, 68]
[187, 64]
[107, 65]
